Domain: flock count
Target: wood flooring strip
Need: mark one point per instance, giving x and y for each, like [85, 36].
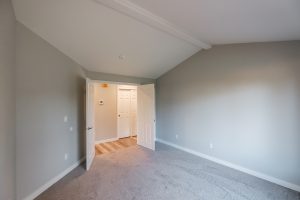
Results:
[97, 151]
[117, 144]
[109, 147]
[114, 145]
[100, 148]
[132, 141]
[121, 144]
[105, 147]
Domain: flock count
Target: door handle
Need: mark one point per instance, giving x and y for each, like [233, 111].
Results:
[89, 128]
[119, 115]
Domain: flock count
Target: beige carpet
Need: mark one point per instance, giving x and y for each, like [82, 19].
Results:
[136, 173]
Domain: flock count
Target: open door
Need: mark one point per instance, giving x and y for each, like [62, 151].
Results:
[146, 116]
[90, 136]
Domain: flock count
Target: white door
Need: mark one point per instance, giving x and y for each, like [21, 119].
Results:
[126, 111]
[90, 136]
[146, 116]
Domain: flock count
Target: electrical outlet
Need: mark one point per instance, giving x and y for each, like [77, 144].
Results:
[66, 156]
[71, 128]
[211, 145]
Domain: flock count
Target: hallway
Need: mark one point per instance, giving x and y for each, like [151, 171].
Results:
[109, 147]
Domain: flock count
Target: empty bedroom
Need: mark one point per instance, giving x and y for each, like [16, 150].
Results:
[149, 100]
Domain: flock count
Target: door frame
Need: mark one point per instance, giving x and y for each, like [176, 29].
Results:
[126, 83]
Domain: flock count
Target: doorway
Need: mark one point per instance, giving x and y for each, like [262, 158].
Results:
[127, 111]
[118, 116]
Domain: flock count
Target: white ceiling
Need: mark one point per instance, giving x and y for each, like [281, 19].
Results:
[231, 21]
[153, 35]
[95, 36]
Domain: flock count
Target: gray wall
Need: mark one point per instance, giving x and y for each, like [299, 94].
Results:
[7, 101]
[106, 114]
[244, 99]
[49, 87]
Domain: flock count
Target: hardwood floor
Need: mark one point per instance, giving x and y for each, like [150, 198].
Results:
[109, 147]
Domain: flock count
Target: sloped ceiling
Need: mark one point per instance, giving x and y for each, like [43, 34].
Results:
[146, 38]
[96, 36]
[231, 21]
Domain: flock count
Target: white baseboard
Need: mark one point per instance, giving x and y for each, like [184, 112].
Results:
[53, 180]
[234, 166]
[107, 140]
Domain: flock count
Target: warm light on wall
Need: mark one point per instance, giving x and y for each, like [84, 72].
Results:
[104, 85]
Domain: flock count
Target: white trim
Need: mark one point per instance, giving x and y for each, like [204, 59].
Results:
[234, 166]
[127, 87]
[147, 17]
[106, 140]
[53, 180]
